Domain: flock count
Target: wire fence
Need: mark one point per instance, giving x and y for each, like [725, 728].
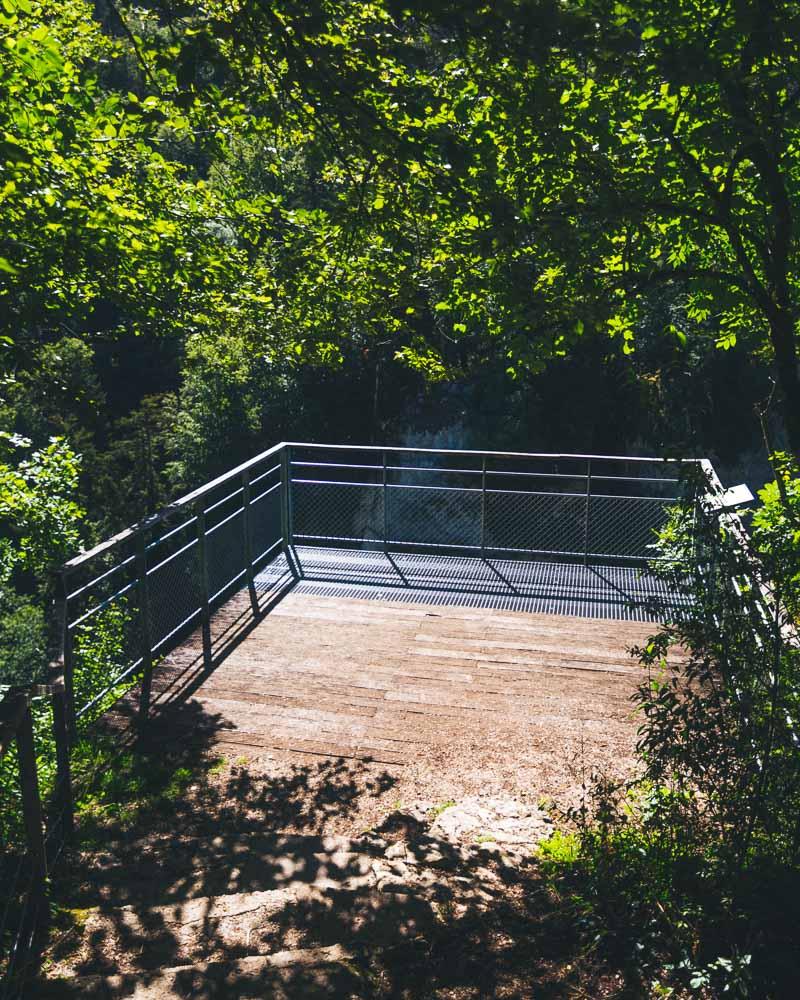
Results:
[133, 599]
[592, 508]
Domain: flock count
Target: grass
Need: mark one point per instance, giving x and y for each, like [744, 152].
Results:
[218, 765]
[131, 786]
[436, 811]
[66, 928]
[558, 850]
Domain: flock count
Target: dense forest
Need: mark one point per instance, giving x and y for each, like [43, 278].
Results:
[538, 225]
[534, 226]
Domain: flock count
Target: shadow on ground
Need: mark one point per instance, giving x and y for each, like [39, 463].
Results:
[202, 877]
[230, 878]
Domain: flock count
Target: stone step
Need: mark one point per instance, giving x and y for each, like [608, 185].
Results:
[131, 939]
[172, 871]
[262, 897]
[293, 974]
[271, 893]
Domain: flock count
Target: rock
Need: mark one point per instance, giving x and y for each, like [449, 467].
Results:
[506, 821]
[395, 886]
[401, 869]
[458, 820]
[380, 869]
[407, 822]
[397, 850]
[371, 841]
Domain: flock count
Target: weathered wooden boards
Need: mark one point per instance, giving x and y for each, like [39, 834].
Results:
[377, 680]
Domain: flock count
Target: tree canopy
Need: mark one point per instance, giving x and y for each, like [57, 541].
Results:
[538, 224]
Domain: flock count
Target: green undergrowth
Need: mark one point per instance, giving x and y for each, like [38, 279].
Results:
[687, 876]
[436, 811]
[675, 919]
[133, 787]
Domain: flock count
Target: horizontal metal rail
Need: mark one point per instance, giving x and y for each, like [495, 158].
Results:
[560, 456]
[438, 470]
[183, 503]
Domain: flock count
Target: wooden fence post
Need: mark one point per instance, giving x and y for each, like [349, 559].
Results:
[31, 802]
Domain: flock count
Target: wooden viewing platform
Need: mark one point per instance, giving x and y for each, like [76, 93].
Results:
[449, 688]
[465, 612]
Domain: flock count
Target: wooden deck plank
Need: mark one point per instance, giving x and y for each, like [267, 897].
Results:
[377, 680]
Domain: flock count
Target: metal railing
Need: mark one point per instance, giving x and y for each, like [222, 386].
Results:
[591, 508]
[132, 599]
[137, 595]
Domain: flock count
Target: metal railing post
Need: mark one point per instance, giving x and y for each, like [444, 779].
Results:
[144, 624]
[248, 541]
[287, 527]
[64, 799]
[483, 507]
[586, 512]
[205, 609]
[31, 802]
[285, 501]
[289, 504]
[385, 494]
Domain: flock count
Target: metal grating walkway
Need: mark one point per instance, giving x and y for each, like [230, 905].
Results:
[615, 592]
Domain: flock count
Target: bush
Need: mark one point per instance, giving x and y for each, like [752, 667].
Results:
[690, 873]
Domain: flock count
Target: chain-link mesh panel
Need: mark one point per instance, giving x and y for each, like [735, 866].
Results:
[104, 631]
[225, 553]
[343, 511]
[535, 522]
[625, 526]
[434, 516]
[174, 590]
[265, 522]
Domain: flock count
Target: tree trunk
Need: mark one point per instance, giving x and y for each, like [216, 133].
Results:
[782, 335]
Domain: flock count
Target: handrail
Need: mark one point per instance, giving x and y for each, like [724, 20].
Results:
[480, 454]
[197, 494]
[185, 501]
